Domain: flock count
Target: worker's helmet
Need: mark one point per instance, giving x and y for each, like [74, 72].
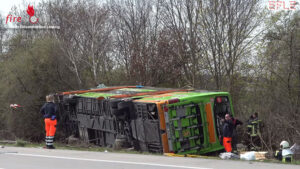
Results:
[284, 144]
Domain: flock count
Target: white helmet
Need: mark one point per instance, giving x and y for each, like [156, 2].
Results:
[284, 144]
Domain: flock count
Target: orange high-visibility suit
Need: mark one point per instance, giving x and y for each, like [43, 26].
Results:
[49, 110]
[227, 135]
[227, 144]
[50, 127]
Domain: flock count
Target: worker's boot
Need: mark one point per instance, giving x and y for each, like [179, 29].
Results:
[50, 147]
[50, 142]
[46, 141]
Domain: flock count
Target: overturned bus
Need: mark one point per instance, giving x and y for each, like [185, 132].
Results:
[146, 118]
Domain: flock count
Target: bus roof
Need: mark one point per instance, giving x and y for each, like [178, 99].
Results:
[179, 95]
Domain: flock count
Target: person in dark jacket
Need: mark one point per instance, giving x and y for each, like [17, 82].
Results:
[235, 123]
[49, 111]
[227, 133]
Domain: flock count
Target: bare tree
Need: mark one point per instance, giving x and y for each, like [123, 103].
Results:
[136, 27]
[228, 30]
[282, 69]
[182, 19]
[2, 32]
[84, 35]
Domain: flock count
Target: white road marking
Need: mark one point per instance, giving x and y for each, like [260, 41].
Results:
[108, 161]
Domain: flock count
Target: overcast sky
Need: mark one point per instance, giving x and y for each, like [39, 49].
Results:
[6, 5]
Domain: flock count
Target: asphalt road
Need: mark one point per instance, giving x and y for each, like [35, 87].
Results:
[38, 158]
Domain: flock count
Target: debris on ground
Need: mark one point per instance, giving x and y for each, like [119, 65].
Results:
[261, 155]
[229, 155]
[249, 156]
[181, 155]
[296, 151]
[253, 155]
[295, 148]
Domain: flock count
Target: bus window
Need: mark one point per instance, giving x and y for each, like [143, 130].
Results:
[221, 108]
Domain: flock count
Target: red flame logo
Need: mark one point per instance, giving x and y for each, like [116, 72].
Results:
[30, 10]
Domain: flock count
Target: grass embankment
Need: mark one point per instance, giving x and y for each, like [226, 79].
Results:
[79, 147]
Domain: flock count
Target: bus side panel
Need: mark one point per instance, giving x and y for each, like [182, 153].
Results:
[161, 117]
[165, 143]
[162, 124]
[210, 123]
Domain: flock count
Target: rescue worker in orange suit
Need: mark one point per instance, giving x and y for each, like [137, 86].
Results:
[49, 110]
[227, 133]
